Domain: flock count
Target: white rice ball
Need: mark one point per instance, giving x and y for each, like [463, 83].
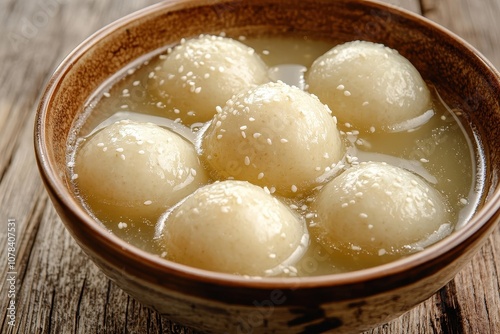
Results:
[202, 73]
[234, 227]
[369, 86]
[273, 135]
[136, 170]
[378, 209]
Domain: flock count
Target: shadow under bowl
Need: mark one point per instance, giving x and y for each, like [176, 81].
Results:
[217, 303]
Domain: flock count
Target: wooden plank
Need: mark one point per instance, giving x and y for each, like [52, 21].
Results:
[411, 5]
[475, 21]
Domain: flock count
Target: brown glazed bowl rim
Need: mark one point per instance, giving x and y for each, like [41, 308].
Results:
[421, 260]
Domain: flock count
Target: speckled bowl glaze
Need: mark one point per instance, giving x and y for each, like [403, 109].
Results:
[220, 303]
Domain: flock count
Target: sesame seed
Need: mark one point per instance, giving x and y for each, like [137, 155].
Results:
[122, 156]
[260, 176]
[283, 140]
[243, 134]
[247, 161]
[244, 127]
[340, 87]
[74, 176]
[347, 93]
[363, 215]
[141, 152]
[106, 94]
[381, 252]
[464, 201]
[256, 135]
[294, 188]
[269, 141]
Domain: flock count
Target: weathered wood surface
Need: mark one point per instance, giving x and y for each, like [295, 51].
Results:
[58, 290]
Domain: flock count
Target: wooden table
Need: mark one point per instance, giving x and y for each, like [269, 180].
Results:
[58, 290]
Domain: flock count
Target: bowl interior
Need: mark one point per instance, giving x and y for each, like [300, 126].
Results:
[463, 78]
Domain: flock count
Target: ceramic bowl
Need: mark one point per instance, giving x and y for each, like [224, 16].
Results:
[219, 303]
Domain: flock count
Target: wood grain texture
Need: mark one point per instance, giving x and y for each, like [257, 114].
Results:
[475, 21]
[59, 290]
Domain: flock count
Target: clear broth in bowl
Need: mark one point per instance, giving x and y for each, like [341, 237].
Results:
[442, 151]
